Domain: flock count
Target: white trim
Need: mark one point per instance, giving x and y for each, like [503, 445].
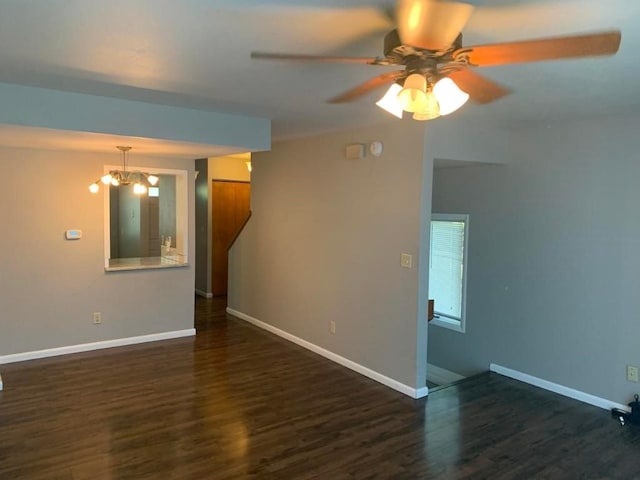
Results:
[441, 376]
[345, 362]
[0, 383]
[202, 293]
[419, 393]
[86, 347]
[556, 388]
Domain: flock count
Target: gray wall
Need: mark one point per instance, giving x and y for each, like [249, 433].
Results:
[324, 243]
[49, 287]
[553, 257]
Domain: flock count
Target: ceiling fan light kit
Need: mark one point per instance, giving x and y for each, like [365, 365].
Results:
[438, 76]
[426, 102]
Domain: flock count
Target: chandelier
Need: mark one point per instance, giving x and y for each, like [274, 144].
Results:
[139, 180]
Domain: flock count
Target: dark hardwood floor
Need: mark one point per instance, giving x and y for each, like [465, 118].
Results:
[237, 403]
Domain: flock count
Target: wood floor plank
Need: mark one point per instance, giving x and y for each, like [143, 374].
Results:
[239, 403]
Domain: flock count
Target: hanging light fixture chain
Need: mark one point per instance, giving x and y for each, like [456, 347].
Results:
[124, 150]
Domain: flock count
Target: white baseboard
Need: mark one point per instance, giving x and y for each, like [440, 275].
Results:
[204, 294]
[345, 362]
[441, 376]
[86, 347]
[556, 388]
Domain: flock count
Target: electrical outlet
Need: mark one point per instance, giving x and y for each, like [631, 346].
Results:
[632, 373]
[332, 327]
[97, 318]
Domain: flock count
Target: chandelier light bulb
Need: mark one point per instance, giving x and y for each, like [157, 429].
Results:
[153, 180]
[115, 182]
[94, 188]
[106, 179]
[139, 189]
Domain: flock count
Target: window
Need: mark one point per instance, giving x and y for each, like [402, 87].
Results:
[448, 269]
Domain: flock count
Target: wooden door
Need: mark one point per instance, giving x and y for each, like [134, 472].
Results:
[229, 212]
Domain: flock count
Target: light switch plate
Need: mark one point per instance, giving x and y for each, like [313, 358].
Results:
[405, 260]
[355, 151]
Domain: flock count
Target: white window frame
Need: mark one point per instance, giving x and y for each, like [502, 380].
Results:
[440, 319]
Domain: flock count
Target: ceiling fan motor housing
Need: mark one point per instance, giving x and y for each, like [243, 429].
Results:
[393, 46]
[416, 60]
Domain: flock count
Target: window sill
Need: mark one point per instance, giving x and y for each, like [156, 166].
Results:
[145, 263]
[448, 323]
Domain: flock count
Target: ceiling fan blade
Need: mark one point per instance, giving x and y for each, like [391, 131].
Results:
[606, 43]
[431, 24]
[312, 58]
[368, 86]
[479, 88]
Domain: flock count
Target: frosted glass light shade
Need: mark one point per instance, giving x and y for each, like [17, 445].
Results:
[390, 102]
[449, 96]
[416, 81]
[412, 96]
[94, 188]
[429, 110]
[106, 179]
[412, 100]
[153, 180]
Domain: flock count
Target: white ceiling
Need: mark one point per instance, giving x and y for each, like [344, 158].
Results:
[196, 53]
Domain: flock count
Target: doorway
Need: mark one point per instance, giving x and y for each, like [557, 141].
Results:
[230, 210]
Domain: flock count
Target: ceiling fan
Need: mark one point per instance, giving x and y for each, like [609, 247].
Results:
[438, 78]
